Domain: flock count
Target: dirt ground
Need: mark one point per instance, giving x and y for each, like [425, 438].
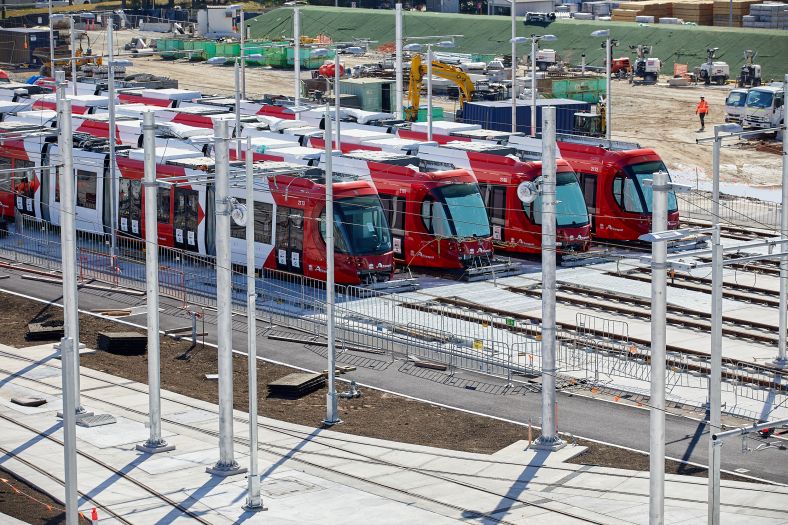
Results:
[184, 369]
[654, 116]
[24, 502]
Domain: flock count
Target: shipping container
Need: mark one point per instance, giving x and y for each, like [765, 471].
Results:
[19, 45]
[498, 115]
[374, 94]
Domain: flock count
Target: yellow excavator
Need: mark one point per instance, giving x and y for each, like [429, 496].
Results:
[417, 73]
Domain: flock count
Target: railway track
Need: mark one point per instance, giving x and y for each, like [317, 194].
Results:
[731, 231]
[760, 375]
[734, 291]
[639, 307]
[765, 267]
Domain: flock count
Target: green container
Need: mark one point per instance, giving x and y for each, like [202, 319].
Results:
[371, 92]
[585, 89]
[437, 113]
[225, 49]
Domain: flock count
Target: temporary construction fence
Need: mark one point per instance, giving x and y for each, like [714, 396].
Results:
[596, 351]
[735, 210]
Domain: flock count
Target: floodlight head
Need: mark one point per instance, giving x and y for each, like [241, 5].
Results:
[57, 16]
[413, 47]
[728, 128]
[604, 33]
[669, 235]
[549, 38]
[519, 40]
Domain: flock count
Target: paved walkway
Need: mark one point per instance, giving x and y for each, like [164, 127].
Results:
[318, 476]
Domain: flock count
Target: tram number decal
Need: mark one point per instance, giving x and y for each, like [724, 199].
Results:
[29, 204]
[282, 256]
[302, 203]
[179, 236]
[190, 237]
[124, 224]
[19, 203]
[497, 233]
[135, 226]
[295, 258]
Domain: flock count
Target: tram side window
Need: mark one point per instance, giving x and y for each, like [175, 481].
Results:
[626, 194]
[497, 203]
[263, 216]
[394, 208]
[5, 175]
[588, 185]
[434, 217]
[86, 189]
[163, 206]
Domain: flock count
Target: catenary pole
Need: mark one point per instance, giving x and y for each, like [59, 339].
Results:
[608, 105]
[297, 56]
[533, 85]
[73, 45]
[242, 53]
[549, 439]
[69, 346]
[398, 58]
[332, 417]
[658, 307]
[68, 232]
[337, 90]
[429, 92]
[51, 43]
[782, 360]
[715, 377]
[155, 442]
[112, 134]
[514, 67]
[226, 466]
[254, 500]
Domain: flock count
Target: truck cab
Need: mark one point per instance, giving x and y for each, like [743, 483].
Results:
[734, 105]
[765, 107]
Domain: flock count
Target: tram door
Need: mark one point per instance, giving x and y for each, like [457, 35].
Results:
[495, 203]
[130, 207]
[588, 183]
[394, 207]
[185, 220]
[289, 239]
[24, 186]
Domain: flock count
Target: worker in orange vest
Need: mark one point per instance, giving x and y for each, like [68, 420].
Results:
[701, 110]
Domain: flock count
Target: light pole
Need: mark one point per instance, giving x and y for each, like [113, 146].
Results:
[398, 58]
[51, 43]
[337, 76]
[419, 47]
[297, 55]
[515, 40]
[332, 417]
[605, 33]
[534, 40]
[781, 361]
[230, 9]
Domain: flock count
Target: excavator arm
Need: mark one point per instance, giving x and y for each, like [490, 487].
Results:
[417, 73]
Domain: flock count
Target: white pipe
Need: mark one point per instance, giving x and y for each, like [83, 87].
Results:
[608, 105]
[68, 347]
[155, 442]
[332, 417]
[226, 464]
[398, 59]
[243, 55]
[549, 439]
[429, 92]
[659, 223]
[337, 75]
[68, 231]
[111, 135]
[715, 377]
[297, 55]
[237, 112]
[782, 360]
[514, 68]
[533, 85]
[73, 46]
[51, 43]
[254, 500]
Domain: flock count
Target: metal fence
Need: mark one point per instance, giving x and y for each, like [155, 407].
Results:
[739, 211]
[598, 351]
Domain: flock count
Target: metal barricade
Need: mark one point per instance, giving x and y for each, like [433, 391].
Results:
[97, 266]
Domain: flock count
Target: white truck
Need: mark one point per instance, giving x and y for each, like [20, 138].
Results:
[546, 58]
[765, 107]
[734, 105]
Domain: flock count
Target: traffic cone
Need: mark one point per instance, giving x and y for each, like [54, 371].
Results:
[94, 515]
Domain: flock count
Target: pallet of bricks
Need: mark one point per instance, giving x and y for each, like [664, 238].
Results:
[648, 11]
[767, 16]
[700, 12]
[723, 8]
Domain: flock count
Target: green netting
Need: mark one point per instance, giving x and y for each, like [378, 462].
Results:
[491, 34]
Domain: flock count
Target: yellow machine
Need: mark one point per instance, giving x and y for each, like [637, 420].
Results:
[417, 73]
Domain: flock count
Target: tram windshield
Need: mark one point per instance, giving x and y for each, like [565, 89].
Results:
[360, 226]
[633, 194]
[464, 210]
[570, 209]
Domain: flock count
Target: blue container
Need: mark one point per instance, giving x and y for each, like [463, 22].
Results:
[497, 115]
